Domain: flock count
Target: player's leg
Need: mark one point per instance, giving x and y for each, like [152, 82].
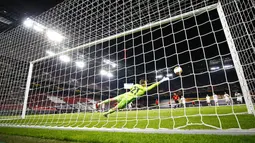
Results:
[177, 102]
[117, 98]
[217, 103]
[108, 100]
[130, 107]
[123, 103]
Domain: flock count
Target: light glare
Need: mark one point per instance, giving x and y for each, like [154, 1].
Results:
[65, 58]
[54, 36]
[50, 53]
[28, 22]
[215, 68]
[80, 64]
[109, 74]
[105, 73]
[114, 65]
[38, 27]
[110, 63]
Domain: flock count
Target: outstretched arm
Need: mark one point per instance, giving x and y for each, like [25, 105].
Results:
[152, 86]
[157, 83]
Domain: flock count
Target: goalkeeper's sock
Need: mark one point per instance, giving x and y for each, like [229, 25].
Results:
[111, 111]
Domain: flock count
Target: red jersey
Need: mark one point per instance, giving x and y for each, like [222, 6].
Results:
[156, 101]
[175, 97]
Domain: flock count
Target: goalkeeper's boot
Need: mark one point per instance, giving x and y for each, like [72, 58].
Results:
[105, 115]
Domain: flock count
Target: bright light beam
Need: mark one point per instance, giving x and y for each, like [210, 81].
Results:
[215, 68]
[64, 58]
[38, 27]
[54, 36]
[50, 53]
[28, 22]
[109, 74]
[110, 63]
[80, 64]
[105, 73]
[114, 65]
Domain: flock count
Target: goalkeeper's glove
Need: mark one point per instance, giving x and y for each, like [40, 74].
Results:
[164, 79]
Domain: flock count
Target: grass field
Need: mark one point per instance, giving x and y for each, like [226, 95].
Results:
[28, 135]
[163, 118]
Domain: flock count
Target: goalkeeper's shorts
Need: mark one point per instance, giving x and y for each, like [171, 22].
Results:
[124, 99]
[126, 96]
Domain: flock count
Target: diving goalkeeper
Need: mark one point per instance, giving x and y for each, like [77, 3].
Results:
[136, 91]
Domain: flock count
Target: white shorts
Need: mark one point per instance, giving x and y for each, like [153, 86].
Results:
[239, 99]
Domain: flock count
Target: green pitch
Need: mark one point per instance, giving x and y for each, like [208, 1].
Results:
[67, 136]
[157, 118]
[64, 136]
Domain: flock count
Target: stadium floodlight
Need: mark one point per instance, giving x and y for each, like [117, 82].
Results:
[80, 64]
[169, 75]
[114, 65]
[28, 22]
[38, 27]
[54, 36]
[64, 58]
[159, 76]
[227, 66]
[109, 74]
[110, 63]
[50, 53]
[106, 61]
[103, 72]
[215, 68]
[106, 73]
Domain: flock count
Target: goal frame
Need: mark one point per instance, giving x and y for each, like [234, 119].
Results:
[147, 26]
[236, 60]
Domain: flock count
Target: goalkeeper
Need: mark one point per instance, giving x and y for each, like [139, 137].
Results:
[136, 91]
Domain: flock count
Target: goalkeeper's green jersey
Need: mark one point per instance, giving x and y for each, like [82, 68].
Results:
[138, 90]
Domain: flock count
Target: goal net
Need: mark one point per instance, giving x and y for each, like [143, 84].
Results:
[81, 63]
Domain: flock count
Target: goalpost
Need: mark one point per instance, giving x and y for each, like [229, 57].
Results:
[122, 42]
[236, 61]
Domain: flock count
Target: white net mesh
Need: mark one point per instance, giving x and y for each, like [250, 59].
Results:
[82, 53]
